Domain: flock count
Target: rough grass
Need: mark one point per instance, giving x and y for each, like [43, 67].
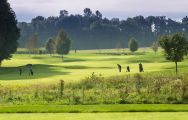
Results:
[97, 116]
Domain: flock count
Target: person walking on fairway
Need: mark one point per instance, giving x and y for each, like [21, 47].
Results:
[128, 69]
[31, 72]
[20, 70]
[141, 69]
[30, 69]
[119, 67]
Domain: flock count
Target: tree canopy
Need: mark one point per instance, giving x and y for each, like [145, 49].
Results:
[63, 43]
[155, 47]
[175, 47]
[91, 30]
[133, 45]
[33, 44]
[9, 32]
[50, 45]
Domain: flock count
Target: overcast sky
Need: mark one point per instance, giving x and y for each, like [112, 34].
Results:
[27, 9]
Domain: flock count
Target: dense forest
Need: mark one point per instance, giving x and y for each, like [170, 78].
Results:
[93, 31]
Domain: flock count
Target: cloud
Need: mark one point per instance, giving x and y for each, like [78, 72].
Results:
[109, 8]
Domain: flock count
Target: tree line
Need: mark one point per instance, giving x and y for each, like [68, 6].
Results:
[93, 31]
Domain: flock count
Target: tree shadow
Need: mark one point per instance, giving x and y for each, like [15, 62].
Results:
[120, 53]
[130, 60]
[67, 59]
[109, 59]
[173, 67]
[84, 67]
[73, 60]
[40, 71]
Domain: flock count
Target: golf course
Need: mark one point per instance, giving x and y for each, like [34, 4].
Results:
[74, 67]
[93, 60]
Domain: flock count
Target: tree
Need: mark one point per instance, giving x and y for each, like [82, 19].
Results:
[98, 14]
[87, 12]
[33, 44]
[92, 30]
[133, 45]
[175, 47]
[50, 46]
[9, 32]
[154, 47]
[63, 43]
[64, 13]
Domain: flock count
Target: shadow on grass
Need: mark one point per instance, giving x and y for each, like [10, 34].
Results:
[84, 67]
[66, 59]
[120, 53]
[40, 71]
[138, 61]
[179, 67]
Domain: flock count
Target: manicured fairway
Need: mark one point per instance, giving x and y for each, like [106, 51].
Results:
[50, 69]
[93, 108]
[97, 116]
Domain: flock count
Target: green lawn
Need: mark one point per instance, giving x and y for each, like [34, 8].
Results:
[93, 108]
[50, 69]
[97, 116]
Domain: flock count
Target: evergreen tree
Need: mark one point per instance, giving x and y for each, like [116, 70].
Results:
[9, 33]
[133, 45]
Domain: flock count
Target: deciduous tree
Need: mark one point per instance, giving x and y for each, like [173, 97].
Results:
[50, 46]
[63, 43]
[133, 45]
[175, 47]
[33, 44]
[155, 47]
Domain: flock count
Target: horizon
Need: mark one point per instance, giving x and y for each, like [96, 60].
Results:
[26, 10]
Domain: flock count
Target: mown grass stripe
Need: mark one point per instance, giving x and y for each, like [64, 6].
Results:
[93, 108]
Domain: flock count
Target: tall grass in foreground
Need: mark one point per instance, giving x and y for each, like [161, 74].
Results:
[158, 88]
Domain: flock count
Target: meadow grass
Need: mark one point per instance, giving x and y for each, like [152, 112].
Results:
[97, 116]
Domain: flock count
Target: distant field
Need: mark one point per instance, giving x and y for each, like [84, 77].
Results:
[50, 69]
[97, 116]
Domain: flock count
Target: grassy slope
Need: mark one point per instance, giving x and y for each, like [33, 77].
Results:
[97, 116]
[93, 108]
[77, 66]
